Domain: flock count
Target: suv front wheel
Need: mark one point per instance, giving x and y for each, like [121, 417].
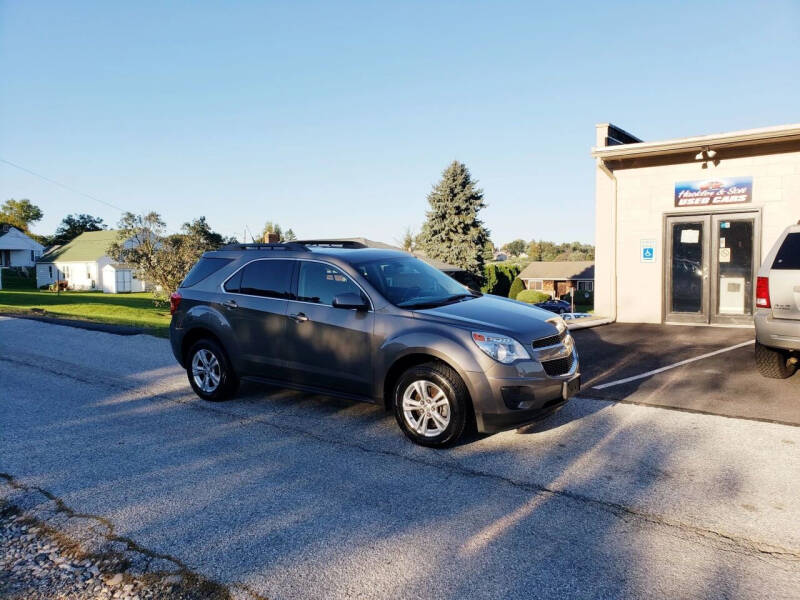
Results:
[431, 404]
[772, 363]
[210, 373]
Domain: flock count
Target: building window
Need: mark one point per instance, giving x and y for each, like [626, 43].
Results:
[586, 286]
[33, 256]
[536, 284]
[50, 271]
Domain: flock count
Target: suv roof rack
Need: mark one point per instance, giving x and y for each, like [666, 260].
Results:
[332, 243]
[297, 247]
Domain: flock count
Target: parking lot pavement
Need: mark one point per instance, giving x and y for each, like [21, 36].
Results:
[292, 496]
[723, 384]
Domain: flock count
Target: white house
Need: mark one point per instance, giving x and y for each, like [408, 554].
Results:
[17, 249]
[85, 265]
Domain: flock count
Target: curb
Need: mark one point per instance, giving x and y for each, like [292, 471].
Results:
[79, 324]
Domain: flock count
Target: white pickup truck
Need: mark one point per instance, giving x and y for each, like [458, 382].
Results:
[777, 317]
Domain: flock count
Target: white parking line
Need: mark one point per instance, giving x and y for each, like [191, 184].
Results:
[672, 366]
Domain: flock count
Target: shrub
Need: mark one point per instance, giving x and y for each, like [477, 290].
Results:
[498, 278]
[516, 287]
[532, 296]
[581, 297]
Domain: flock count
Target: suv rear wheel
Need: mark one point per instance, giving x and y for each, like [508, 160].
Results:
[431, 404]
[773, 363]
[210, 373]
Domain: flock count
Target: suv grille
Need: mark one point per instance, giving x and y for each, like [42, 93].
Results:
[560, 366]
[549, 341]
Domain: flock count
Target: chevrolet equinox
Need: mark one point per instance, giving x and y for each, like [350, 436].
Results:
[379, 325]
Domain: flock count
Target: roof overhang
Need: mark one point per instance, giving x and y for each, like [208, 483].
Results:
[748, 137]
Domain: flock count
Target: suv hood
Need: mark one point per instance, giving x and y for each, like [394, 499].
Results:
[524, 322]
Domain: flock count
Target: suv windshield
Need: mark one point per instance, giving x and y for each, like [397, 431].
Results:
[408, 282]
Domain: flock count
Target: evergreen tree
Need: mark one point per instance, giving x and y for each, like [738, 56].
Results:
[453, 232]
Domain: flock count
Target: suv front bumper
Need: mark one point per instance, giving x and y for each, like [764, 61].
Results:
[503, 400]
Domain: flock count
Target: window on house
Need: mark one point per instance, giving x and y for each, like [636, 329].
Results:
[50, 271]
[586, 286]
[33, 256]
[536, 284]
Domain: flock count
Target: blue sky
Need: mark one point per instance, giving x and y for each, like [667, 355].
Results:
[336, 118]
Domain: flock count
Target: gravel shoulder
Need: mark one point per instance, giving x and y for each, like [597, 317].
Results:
[47, 551]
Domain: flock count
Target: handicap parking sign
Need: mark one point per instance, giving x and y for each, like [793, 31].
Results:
[647, 251]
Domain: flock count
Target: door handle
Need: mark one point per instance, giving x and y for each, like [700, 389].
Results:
[230, 304]
[298, 318]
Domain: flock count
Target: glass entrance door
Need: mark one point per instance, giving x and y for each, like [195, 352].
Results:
[687, 269]
[710, 268]
[734, 248]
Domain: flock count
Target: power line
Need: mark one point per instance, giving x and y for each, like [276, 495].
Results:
[66, 187]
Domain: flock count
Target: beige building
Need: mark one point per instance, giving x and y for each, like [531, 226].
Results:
[682, 225]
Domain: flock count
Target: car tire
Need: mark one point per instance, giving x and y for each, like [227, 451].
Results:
[561, 311]
[433, 380]
[220, 381]
[773, 363]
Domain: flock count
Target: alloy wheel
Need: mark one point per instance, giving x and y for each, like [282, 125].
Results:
[426, 408]
[206, 370]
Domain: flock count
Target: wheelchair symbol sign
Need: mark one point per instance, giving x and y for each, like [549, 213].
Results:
[648, 251]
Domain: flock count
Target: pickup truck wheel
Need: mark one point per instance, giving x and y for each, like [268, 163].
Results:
[209, 371]
[431, 404]
[773, 363]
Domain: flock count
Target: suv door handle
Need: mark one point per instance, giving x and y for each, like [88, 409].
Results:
[230, 304]
[298, 318]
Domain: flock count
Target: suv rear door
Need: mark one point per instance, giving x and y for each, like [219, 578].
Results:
[328, 347]
[255, 302]
[784, 278]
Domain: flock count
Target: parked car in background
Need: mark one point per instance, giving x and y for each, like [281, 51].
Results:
[370, 324]
[777, 317]
[555, 305]
[573, 316]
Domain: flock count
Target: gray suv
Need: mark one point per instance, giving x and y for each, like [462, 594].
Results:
[777, 315]
[370, 324]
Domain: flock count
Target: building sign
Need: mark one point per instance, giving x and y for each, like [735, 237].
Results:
[647, 251]
[710, 192]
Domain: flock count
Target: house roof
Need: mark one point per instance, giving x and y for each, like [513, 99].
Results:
[14, 239]
[747, 137]
[579, 269]
[87, 247]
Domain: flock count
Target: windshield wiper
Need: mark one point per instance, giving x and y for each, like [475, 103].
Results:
[442, 302]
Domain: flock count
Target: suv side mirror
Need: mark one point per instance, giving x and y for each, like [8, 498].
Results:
[351, 301]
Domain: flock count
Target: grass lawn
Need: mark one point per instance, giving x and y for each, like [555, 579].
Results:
[18, 296]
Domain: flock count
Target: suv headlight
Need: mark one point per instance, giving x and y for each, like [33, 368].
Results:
[500, 347]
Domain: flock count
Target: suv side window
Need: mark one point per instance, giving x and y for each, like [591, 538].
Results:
[788, 256]
[319, 283]
[267, 278]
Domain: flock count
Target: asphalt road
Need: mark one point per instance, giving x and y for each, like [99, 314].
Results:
[292, 496]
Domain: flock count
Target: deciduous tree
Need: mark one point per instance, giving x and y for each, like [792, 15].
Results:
[161, 259]
[74, 225]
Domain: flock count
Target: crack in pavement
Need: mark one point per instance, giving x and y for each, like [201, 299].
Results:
[111, 536]
[686, 531]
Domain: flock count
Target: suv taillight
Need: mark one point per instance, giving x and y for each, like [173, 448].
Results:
[762, 292]
[174, 302]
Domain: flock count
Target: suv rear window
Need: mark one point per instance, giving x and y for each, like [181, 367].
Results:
[789, 254]
[202, 269]
[268, 278]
